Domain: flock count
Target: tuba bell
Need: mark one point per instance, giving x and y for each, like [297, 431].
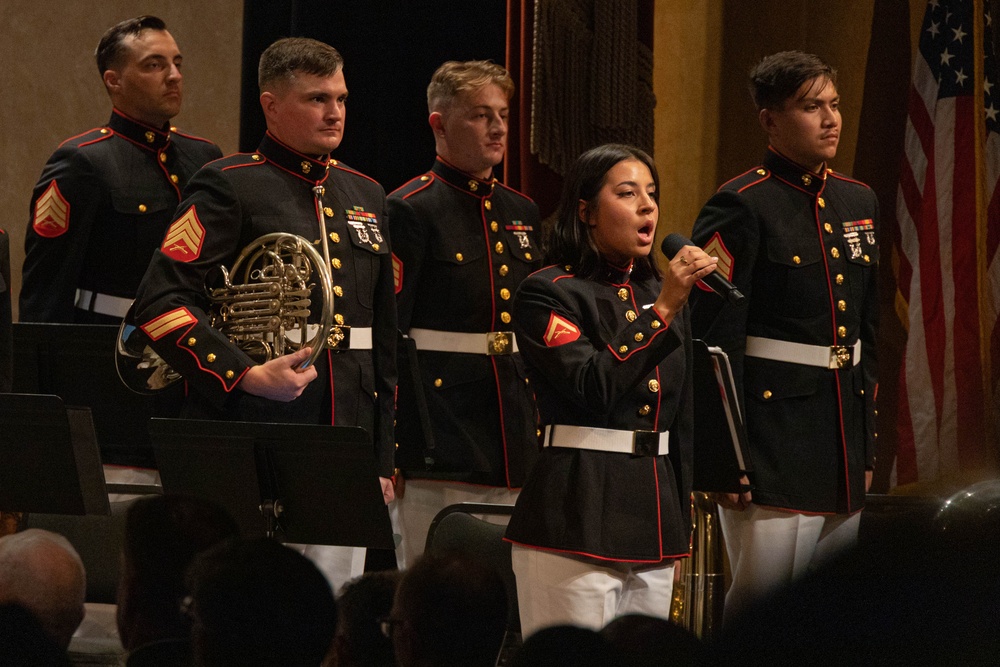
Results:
[263, 307]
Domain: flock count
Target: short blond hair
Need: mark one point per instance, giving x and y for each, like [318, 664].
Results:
[455, 77]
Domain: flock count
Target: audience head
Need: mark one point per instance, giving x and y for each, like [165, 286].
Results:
[140, 65]
[162, 535]
[42, 572]
[24, 642]
[450, 611]
[469, 106]
[256, 603]
[648, 641]
[361, 608]
[566, 645]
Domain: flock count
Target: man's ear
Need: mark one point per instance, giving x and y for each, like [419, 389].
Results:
[766, 119]
[436, 121]
[268, 102]
[112, 81]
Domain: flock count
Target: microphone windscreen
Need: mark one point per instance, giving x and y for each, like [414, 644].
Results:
[672, 243]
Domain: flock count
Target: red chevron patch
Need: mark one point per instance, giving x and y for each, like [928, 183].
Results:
[51, 213]
[184, 238]
[560, 331]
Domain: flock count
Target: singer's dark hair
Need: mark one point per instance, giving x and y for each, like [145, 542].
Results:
[570, 243]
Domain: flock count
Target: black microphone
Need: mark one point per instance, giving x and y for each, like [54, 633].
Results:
[715, 280]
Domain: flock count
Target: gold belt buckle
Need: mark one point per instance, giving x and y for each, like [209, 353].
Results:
[840, 356]
[339, 338]
[499, 342]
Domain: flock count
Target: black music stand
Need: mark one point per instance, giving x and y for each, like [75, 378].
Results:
[77, 363]
[50, 460]
[721, 454]
[319, 480]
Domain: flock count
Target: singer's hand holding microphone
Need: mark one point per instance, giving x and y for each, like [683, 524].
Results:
[688, 265]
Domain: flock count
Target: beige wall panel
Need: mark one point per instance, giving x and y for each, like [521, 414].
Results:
[52, 90]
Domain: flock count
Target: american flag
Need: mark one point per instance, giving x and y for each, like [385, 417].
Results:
[948, 274]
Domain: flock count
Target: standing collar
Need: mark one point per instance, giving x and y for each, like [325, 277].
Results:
[145, 136]
[462, 180]
[308, 168]
[616, 275]
[794, 173]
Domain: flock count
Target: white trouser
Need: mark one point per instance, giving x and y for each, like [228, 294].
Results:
[424, 498]
[338, 564]
[769, 549]
[560, 590]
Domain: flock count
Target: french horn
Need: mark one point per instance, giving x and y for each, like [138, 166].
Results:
[264, 307]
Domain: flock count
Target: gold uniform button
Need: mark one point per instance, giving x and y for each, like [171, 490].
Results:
[339, 319]
[338, 290]
[173, 178]
[840, 278]
[623, 349]
[438, 382]
[230, 375]
[505, 294]
[504, 270]
[459, 256]
[867, 258]
[644, 410]
[835, 253]
[655, 324]
[425, 178]
[104, 130]
[623, 294]
[842, 332]
[255, 157]
[333, 162]
[796, 260]
[336, 262]
[494, 226]
[335, 237]
[538, 432]
[767, 394]
[376, 247]
[306, 167]
[328, 212]
[473, 186]
[505, 317]
[163, 157]
[828, 228]
[762, 172]
[638, 337]
[630, 315]
[841, 305]
[191, 342]
[806, 179]
[489, 205]
[654, 386]
[142, 208]
[210, 358]
[822, 204]
[527, 256]
[150, 137]
[499, 248]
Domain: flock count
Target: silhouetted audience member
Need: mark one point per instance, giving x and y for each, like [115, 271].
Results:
[449, 611]
[42, 572]
[567, 645]
[648, 641]
[162, 536]
[361, 607]
[24, 642]
[258, 603]
[919, 595]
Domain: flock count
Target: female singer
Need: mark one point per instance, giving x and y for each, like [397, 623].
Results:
[605, 511]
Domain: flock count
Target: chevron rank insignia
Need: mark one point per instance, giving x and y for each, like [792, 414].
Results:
[716, 248]
[159, 327]
[51, 213]
[184, 237]
[397, 273]
[560, 331]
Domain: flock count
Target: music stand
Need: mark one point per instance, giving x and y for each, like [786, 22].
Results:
[77, 363]
[321, 479]
[721, 454]
[50, 460]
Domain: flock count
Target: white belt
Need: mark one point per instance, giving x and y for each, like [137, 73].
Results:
[833, 357]
[104, 304]
[491, 344]
[349, 338]
[639, 443]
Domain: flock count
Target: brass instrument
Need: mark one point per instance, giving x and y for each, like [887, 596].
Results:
[699, 597]
[263, 307]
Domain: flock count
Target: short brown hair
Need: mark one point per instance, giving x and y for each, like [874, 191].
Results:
[285, 57]
[455, 77]
[111, 48]
[776, 78]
